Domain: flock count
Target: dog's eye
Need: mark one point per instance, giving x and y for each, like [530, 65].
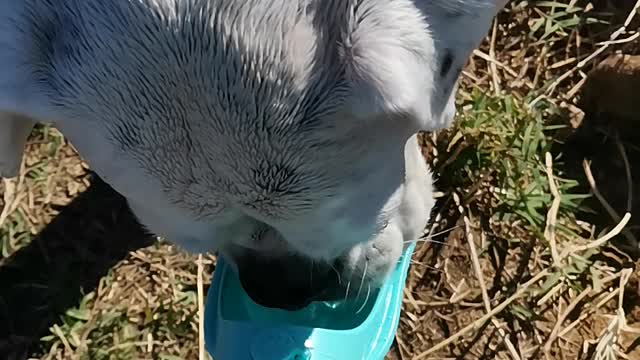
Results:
[383, 226]
[258, 235]
[452, 14]
[447, 62]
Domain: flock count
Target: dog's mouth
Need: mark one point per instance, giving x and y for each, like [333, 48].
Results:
[289, 282]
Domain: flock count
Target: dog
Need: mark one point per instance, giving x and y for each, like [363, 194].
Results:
[279, 133]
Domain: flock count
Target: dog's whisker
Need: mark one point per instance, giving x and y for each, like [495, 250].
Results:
[364, 274]
[428, 238]
[428, 241]
[366, 299]
[442, 232]
[346, 293]
[417, 263]
[337, 273]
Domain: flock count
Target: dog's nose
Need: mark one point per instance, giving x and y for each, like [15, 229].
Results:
[289, 283]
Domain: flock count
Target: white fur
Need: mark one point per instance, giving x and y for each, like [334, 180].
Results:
[219, 119]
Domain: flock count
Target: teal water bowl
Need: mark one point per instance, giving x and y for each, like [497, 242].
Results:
[236, 328]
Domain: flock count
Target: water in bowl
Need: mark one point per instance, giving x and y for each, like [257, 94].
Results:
[341, 315]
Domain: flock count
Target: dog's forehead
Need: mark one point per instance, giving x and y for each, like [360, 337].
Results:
[219, 97]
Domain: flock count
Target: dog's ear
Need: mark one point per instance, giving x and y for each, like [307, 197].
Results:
[390, 71]
[405, 58]
[27, 35]
[24, 95]
[14, 132]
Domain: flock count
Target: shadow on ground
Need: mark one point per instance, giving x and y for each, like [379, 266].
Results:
[601, 142]
[63, 263]
[608, 137]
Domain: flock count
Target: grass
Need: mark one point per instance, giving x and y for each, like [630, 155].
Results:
[498, 197]
[499, 138]
[119, 321]
[521, 266]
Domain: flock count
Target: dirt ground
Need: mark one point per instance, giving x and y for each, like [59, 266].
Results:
[500, 278]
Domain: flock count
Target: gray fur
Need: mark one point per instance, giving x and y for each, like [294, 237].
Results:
[273, 125]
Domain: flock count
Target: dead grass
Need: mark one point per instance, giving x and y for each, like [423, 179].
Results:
[516, 271]
[145, 308]
[520, 276]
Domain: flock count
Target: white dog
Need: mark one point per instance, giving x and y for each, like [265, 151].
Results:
[269, 130]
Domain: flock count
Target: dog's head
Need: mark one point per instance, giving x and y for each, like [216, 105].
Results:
[277, 132]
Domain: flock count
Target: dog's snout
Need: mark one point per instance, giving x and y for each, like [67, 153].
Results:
[288, 283]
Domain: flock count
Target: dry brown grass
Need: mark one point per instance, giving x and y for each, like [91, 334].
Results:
[528, 282]
[515, 272]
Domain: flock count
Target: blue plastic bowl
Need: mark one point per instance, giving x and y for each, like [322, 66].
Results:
[236, 328]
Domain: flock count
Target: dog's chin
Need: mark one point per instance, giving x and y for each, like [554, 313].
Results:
[370, 263]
